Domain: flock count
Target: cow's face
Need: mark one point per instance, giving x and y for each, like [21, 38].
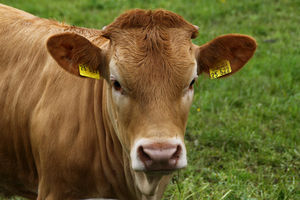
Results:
[151, 89]
[150, 67]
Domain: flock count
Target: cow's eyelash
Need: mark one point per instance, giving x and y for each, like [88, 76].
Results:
[191, 85]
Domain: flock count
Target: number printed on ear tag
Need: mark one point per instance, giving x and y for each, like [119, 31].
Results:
[87, 71]
[220, 69]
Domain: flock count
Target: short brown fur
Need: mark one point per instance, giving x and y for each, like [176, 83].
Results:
[149, 19]
[65, 137]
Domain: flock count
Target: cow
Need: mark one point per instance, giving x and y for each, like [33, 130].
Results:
[88, 113]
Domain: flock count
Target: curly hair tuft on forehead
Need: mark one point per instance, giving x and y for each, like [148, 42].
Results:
[150, 19]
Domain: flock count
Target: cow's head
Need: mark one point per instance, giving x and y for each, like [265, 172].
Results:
[150, 66]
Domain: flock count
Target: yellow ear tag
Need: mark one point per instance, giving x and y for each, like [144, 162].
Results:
[87, 71]
[220, 69]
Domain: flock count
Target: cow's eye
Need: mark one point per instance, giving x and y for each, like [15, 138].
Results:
[117, 86]
[191, 86]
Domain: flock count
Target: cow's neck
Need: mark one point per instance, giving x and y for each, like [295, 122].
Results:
[110, 150]
[116, 159]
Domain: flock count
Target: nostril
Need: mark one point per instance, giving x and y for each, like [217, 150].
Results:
[151, 154]
[143, 155]
[177, 153]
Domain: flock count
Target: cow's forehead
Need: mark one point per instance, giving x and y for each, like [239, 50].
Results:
[138, 47]
[152, 76]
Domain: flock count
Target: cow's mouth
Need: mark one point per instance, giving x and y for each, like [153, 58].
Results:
[160, 172]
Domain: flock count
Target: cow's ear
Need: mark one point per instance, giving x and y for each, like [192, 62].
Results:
[71, 50]
[235, 48]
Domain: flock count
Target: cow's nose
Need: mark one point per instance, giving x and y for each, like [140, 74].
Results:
[160, 156]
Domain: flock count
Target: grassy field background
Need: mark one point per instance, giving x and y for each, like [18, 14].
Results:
[243, 144]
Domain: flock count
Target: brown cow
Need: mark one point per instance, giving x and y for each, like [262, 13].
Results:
[63, 136]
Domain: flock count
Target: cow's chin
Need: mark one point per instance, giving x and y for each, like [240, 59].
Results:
[149, 182]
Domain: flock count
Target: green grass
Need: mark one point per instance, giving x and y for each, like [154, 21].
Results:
[244, 142]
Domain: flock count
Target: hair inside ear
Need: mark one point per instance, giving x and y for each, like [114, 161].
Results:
[236, 49]
[70, 50]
